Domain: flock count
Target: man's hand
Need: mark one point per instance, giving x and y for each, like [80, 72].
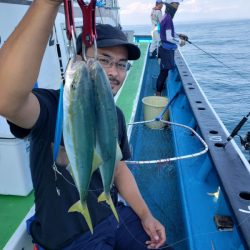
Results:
[182, 42]
[155, 231]
[183, 37]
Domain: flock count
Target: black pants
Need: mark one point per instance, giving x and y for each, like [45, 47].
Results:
[161, 80]
[167, 63]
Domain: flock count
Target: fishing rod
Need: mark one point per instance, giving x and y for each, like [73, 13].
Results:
[237, 129]
[209, 54]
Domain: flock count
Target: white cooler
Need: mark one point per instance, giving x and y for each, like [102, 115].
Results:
[15, 178]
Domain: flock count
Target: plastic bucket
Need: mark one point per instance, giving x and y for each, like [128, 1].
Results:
[152, 107]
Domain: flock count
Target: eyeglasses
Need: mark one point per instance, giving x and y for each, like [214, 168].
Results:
[108, 63]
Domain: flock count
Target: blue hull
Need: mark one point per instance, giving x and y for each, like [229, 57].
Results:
[182, 194]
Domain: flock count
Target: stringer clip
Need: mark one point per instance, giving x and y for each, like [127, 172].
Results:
[70, 24]
[89, 29]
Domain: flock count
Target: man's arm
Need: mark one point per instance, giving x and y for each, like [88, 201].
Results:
[160, 16]
[175, 39]
[128, 189]
[20, 61]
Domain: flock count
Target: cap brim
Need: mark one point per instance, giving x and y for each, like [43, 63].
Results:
[133, 51]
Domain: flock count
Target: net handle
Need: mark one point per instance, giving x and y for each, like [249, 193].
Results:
[158, 118]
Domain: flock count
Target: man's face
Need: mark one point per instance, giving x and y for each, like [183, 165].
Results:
[118, 56]
[159, 6]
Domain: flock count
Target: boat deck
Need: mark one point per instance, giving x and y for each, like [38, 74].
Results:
[12, 211]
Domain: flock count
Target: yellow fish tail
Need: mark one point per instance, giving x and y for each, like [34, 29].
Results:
[104, 197]
[83, 209]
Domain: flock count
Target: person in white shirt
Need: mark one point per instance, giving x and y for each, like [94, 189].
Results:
[156, 16]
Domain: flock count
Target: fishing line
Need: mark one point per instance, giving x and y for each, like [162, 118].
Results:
[225, 65]
[59, 118]
[100, 15]
[71, 183]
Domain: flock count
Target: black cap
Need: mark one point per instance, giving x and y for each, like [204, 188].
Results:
[109, 36]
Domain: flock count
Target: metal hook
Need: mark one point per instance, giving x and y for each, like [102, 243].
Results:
[56, 171]
[84, 50]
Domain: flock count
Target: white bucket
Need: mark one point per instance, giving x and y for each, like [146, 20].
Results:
[153, 106]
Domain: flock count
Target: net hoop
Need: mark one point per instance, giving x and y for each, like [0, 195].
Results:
[158, 161]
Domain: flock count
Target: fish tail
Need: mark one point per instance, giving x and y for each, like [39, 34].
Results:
[83, 209]
[106, 197]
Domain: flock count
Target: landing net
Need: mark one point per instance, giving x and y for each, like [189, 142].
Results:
[155, 146]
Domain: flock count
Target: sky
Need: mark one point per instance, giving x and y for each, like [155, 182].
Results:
[137, 12]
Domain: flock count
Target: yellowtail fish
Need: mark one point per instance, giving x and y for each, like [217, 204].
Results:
[106, 130]
[79, 131]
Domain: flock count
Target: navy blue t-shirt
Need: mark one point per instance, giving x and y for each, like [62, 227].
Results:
[54, 227]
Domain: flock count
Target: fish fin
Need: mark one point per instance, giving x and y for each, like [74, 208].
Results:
[83, 209]
[97, 161]
[108, 199]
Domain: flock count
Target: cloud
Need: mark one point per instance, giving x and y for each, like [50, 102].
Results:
[135, 8]
[206, 6]
[210, 10]
[138, 11]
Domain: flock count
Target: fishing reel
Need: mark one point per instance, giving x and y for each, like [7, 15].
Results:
[245, 142]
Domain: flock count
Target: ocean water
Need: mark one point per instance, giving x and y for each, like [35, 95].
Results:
[226, 84]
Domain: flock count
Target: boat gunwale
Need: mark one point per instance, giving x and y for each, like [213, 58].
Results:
[229, 156]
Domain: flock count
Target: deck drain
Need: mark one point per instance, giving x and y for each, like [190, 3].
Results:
[213, 132]
[245, 196]
[219, 145]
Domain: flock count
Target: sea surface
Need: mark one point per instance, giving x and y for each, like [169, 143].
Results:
[226, 83]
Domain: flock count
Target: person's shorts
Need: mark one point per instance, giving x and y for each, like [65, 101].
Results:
[167, 58]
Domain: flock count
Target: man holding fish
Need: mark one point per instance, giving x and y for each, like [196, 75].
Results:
[57, 223]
